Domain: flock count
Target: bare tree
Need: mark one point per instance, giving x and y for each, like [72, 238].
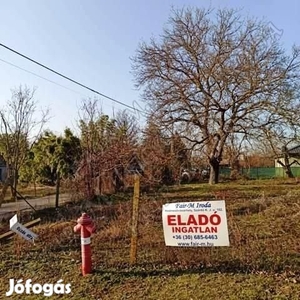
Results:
[233, 151]
[107, 145]
[19, 128]
[128, 130]
[215, 75]
[90, 142]
[277, 139]
[156, 154]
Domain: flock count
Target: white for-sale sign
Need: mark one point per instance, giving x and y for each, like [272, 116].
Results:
[195, 224]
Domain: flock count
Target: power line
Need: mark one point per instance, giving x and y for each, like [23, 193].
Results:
[44, 78]
[70, 79]
[49, 80]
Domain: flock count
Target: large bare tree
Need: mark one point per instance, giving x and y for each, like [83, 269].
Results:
[213, 74]
[19, 127]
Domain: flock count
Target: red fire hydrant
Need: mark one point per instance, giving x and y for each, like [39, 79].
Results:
[86, 227]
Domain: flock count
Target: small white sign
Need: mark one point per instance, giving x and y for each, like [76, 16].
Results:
[85, 241]
[195, 224]
[21, 229]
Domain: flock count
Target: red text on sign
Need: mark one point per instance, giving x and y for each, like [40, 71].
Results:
[179, 220]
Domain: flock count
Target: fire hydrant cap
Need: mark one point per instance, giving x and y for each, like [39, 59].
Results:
[86, 222]
[85, 219]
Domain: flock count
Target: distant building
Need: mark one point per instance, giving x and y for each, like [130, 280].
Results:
[294, 156]
[2, 169]
[294, 160]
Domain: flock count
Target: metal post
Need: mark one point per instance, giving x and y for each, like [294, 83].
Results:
[57, 190]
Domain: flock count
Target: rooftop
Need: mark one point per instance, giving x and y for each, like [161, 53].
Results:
[294, 150]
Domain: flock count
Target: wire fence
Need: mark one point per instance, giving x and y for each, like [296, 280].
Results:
[261, 172]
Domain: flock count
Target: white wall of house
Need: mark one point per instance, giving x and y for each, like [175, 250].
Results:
[291, 159]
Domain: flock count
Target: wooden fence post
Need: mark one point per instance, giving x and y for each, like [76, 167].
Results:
[134, 219]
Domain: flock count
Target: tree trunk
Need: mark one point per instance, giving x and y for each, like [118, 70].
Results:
[234, 169]
[100, 183]
[214, 170]
[4, 189]
[14, 183]
[287, 169]
[34, 186]
[286, 165]
[57, 189]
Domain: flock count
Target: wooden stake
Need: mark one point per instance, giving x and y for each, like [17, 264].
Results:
[134, 219]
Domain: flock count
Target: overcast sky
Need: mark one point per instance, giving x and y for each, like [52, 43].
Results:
[92, 41]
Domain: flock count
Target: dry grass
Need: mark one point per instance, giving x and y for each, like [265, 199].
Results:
[262, 261]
